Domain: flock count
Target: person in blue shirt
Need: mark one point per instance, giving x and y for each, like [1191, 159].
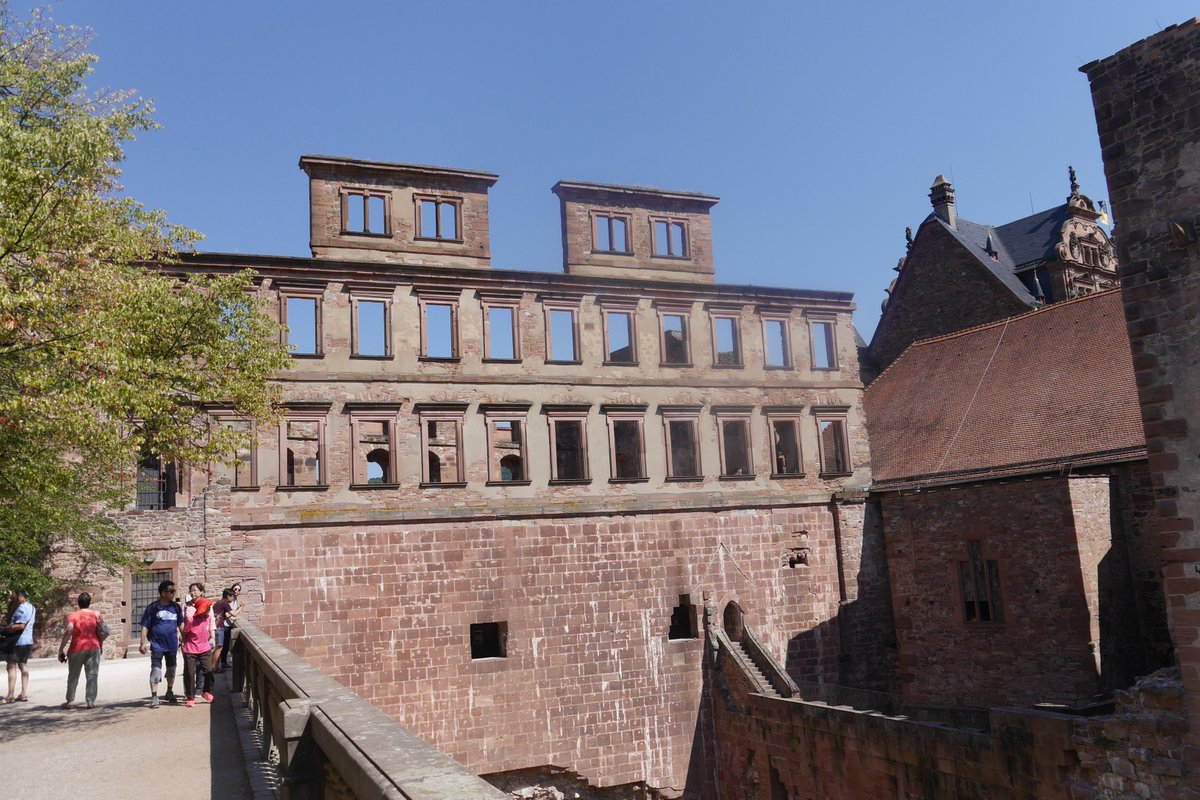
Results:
[18, 658]
[162, 626]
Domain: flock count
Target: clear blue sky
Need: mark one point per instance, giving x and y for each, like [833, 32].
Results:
[820, 125]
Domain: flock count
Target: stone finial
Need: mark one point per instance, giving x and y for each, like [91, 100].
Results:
[941, 195]
[1074, 183]
[908, 239]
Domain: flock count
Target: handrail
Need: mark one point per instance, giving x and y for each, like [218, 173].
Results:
[781, 682]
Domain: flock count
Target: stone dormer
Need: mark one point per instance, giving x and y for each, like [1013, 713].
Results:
[635, 232]
[397, 213]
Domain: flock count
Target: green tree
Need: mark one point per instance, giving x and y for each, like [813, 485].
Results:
[104, 355]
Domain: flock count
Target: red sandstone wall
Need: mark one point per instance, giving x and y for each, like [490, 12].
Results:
[1043, 650]
[591, 683]
[1147, 98]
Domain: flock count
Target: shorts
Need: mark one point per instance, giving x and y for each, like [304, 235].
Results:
[220, 636]
[156, 660]
[19, 654]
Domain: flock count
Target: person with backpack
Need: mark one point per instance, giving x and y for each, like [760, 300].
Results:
[86, 631]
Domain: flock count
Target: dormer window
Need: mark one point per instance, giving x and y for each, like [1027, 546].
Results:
[364, 212]
[669, 237]
[439, 218]
[610, 234]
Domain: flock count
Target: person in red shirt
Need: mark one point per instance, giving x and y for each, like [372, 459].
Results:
[84, 652]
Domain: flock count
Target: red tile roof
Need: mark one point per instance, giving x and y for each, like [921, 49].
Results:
[1042, 391]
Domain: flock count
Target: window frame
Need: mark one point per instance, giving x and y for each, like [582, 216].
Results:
[689, 414]
[729, 414]
[357, 296]
[549, 306]
[784, 319]
[438, 200]
[568, 413]
[830, 343]
[514, 305]
[613, 415]
[995, 591]
[596, 216]
[840, 416]
[346, 192]
[684, 313]
[373, 412]
[735, 316]
[222, 417]
[794, 416]
[316, 294]
[629, 309]
[506, 413]
[424, 300]
[442, 412]
[686, 238]
[305, 413]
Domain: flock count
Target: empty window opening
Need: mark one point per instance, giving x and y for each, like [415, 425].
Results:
[374, 451]
[627, 449]
[683, 619]
[670, 238]
[735, 448]
[728, 341]
[302, 325]
[442, 440]
[370, 336]
[980, 582]
[785, 444]
[437, 219]
[562, 344]
[303, 453]
[439, 331]
[570, 455]
[241, 473]
[834, 458]
[824, 353]
[364, 213]
[619, 325]
[489, 640]
[507, 443]
[610, 234]
[378, 467]
[675, 339]
[777, 352]
[155, 483]
[502, 333]
[685, 449]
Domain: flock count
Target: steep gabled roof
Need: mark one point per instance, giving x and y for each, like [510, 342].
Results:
[1042, 391]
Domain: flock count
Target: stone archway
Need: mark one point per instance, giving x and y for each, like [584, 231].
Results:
[732, 621]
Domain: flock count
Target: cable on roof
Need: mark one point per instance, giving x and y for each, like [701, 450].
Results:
[971, 404]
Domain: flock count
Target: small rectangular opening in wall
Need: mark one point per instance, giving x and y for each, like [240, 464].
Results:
[832, 438]
[562, 345]
[683, 619]
[502, 333]
[439, 330]
[303, 456]
[627, 449]
[735, 448]
[570, 457]
[824, 352]
[727, 341]
[376, 217]
[302, 325]
[489, 640]
[442, 448]
[776, 350]
[371, 336]
[620, 338]
[785, 444]
[685, 448]
[675, 339]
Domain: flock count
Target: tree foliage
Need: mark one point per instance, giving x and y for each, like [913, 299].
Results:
[103, 355]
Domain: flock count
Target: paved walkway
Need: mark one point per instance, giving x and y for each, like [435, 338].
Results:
[121, 748]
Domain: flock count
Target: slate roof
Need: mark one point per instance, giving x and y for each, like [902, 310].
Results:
[1020, 245]
[1043, 391]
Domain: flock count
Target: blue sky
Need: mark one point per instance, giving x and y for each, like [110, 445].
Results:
[820, 125]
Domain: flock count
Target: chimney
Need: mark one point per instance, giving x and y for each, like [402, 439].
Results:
[941, 194]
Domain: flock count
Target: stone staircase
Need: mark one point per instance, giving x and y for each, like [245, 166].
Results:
[752, 669]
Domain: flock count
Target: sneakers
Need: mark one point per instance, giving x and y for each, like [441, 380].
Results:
[208, 698]
[154, 701]
[170, 697]
[190, 703]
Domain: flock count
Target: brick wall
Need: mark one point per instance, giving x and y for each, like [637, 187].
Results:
[943, 288]
[591, 682]
[1048, 647]
[1147, 100]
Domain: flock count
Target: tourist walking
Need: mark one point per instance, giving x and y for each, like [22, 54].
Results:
[20, 623]
[220, 611]
[199, 630]
[162, 625]
[235, 608]
[85, 631]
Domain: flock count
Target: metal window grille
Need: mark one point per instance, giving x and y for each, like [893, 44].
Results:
[143, 591]
[151, 484]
